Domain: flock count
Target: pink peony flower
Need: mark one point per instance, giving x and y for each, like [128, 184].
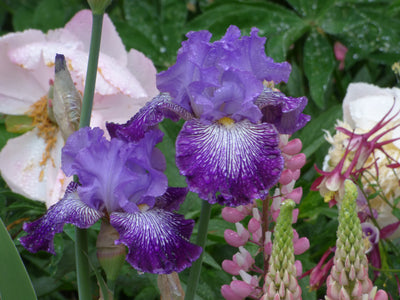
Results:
[30, 163]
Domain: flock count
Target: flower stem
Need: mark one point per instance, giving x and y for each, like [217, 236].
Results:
[91, 70]
[201, 241]
[81, 243]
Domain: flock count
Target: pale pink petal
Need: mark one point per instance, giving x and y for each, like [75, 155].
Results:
[111, 44]
[117, 108]
[19, 165]
[57, 191]
[144, 71]
[18, 88]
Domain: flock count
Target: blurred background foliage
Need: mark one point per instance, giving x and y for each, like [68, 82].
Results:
[302, 32]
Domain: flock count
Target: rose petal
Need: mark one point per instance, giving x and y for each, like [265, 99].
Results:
[231, 165]
[158, 240]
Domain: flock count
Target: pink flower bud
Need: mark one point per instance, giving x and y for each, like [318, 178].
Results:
[301, 245]
[243, 259]
[253, 225]
[231, 267]
[296, 174]
[233, 238]
[241, 288]
[296, 162]
[292, 147]
[299, 267]
[295, 195]
[381, 295]
[232, 215]
[286, 177]
[228, 294]
[257, 235]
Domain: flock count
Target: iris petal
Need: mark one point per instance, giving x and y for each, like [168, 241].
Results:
[147, 118]
[238, 161]
[158, 240]
[282, 111]
[68, 210]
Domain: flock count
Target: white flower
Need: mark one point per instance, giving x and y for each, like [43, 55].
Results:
[364, 107]
[125, 82]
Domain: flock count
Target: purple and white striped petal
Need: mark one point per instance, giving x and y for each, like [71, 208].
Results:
[147, 118]
[68, 210]
[231, 163]
[158, 240]
[282, 111]
[172, 199]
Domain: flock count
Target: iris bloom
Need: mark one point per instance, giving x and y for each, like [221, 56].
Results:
[124, 184]
[30, 163]
[228, 146]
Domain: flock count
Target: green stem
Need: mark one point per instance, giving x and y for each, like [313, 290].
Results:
[81, 243]
[91, 70]
[201, 241]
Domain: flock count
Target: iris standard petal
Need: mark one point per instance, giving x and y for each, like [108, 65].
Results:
[158, 240]
[70, 210]
[229, 164]
[282, 111]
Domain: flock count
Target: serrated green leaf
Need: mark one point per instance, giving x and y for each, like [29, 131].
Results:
[281, 26]
[14, 280]
[319, 63]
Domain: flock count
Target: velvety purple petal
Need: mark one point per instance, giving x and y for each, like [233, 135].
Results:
[114, 174]
[158, 240]
[81, 139]
[68, 210]
[172, 199]
[234, 97]
[283, 111]
[229, 164]
[148, 118]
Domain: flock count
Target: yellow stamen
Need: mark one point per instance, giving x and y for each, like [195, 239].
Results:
[329, 196]
[226, 121]
[46, 130]
[143, 207]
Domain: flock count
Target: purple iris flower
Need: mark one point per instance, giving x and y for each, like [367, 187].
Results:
[123, 183]
[228, 147]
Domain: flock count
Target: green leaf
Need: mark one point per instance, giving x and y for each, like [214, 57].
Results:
[363, 28]
[312, 135]
[18, 124]
[396, 212]
[281, 26]
[14, 280]
[153, 27]
[319, 63]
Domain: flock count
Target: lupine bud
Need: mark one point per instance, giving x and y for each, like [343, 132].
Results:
[232, 214]
[296, 162]
[66, 104]
[231, 267]
[281, 282]
[349, 275]
[228, 293]
[292, 147]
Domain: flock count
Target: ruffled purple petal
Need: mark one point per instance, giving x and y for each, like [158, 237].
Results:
[234, 97]
[148, 118]
[158, 240]
[229, 164]
[172, 199]
[114, 174]
[283, 111]
[248, 54]
[68, 210]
